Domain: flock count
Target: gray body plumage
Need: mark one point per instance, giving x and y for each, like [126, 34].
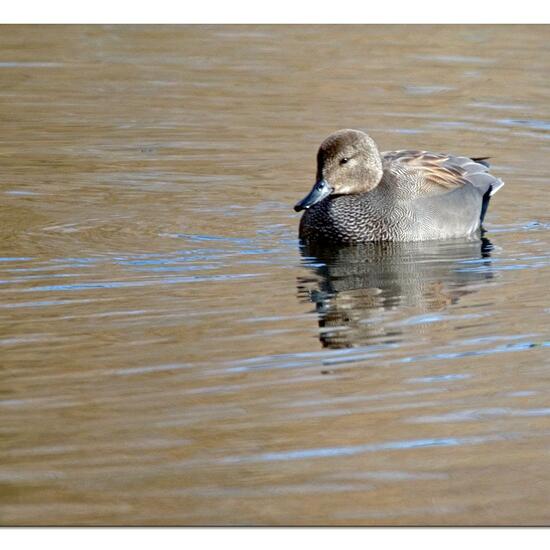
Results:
[420, 196]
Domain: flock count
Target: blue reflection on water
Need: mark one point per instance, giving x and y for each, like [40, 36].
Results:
[327, 452]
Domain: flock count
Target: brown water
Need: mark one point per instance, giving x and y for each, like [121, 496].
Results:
[169, 354]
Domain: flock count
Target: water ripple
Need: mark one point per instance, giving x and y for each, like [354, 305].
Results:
[330, 452]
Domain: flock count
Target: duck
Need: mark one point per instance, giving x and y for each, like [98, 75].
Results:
[364, 195]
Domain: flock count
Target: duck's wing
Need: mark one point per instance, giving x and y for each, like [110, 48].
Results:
[440, 173]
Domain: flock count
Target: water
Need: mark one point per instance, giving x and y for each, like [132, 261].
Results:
[171, 355]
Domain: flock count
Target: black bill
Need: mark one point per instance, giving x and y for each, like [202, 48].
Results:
[320, 190]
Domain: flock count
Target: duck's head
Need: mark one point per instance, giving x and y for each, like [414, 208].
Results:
[348, 162]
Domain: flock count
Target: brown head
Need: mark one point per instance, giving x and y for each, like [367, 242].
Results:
[348, 162]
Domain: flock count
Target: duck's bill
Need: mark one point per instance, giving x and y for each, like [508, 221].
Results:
[320, 190]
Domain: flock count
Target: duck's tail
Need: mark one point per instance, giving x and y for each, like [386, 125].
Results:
[482, 179]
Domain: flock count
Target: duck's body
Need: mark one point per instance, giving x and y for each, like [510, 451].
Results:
[393, 196]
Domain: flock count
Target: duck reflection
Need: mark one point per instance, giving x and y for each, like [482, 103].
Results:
[354, 287]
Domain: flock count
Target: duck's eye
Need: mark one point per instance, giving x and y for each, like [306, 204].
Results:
[344, 160]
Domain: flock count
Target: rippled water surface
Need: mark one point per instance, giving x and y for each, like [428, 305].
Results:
[170, 355]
